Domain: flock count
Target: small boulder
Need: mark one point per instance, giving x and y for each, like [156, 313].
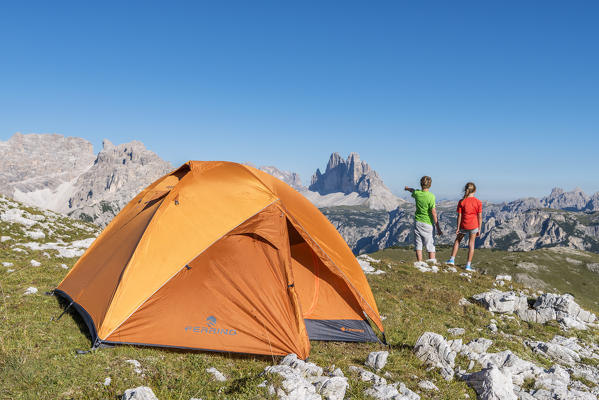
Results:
[139, 393]
[30, 290]
[456, 331]
[216, 374]
[35, 263]
[491, 384]
[428, 386]
[377, 360]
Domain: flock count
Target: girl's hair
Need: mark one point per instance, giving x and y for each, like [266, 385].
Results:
[469, 189]
[425, 182]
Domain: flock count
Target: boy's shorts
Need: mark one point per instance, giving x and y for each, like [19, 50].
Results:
[423, 234]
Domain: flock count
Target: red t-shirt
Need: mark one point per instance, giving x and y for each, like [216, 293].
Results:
[469, 207]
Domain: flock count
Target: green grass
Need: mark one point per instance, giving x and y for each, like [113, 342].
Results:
[38, 356]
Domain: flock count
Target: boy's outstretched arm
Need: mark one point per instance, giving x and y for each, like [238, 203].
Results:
[409, 189]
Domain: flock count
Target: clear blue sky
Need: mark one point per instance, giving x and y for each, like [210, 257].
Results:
[503, 93]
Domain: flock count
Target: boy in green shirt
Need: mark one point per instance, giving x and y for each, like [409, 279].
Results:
[426, 214]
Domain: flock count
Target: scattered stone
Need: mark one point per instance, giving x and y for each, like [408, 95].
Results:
[216, 374]
[367, 376]
[491, 384]
[593, 267]
[35, 263]
[4, 238]
[451, 269]
[365, 262]
[35, 235]
[424, 267]
[10, 270]
[464, 302]
[139, 393]
[64, 266]
[377, 360]
[7, 264]
[492, 327]
[136, 366]
[503, 278]
[428, 386]
[547, 307]
[456, 331]
[333, 388]
[107, 381]
[30, 290]
[436, 352]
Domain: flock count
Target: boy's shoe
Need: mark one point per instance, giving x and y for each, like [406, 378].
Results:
[431, 261]
[469, 268]
[450, 262]
[420, 264]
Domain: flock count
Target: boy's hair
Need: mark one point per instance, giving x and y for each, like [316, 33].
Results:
[469, 188]
[425, 182]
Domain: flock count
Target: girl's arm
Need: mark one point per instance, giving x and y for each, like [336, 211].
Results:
[480, 223]
[457, 229]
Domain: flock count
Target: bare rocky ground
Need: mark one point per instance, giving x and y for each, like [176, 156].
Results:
[451, 335]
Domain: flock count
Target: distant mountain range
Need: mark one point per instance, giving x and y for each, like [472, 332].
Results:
[64, 175]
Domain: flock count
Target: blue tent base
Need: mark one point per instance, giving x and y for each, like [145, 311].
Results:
[340, 330]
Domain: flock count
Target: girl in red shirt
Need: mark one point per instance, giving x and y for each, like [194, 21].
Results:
[470, 219]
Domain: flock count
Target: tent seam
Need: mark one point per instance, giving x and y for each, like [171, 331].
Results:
[193, 258]
[331, 260]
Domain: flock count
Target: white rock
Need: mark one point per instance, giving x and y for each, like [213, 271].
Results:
[428, 386]
[436, 352]
[136, 366]
[5, 238]
[64, 266]
[503, 278]
[139, 393]
[7, 264]
[30, 290]
[35, 235]
[492, 327]
[35, 263]
[491, 384]
[10, 270]
[456, 331]
[367, 376]
[464, 302]
[377, 360]
[216, 374]
[332, 388]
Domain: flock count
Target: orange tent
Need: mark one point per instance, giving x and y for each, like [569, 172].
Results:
[221, 256]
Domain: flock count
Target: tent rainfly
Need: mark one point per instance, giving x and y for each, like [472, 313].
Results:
[221, 256]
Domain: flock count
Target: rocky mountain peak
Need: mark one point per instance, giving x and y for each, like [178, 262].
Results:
[353, 176]
[573, 200]
[290, 178]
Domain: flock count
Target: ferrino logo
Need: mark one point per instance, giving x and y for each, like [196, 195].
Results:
[210, 328]
[344, 329]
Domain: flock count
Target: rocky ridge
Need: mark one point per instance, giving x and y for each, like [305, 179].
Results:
[63, 174]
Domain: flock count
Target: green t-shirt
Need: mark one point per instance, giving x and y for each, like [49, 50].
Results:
[425, 202]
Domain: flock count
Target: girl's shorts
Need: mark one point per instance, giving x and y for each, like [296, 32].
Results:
[467, 232]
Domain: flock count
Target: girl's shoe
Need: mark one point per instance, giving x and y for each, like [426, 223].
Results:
[450, 262]
[469, 268]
